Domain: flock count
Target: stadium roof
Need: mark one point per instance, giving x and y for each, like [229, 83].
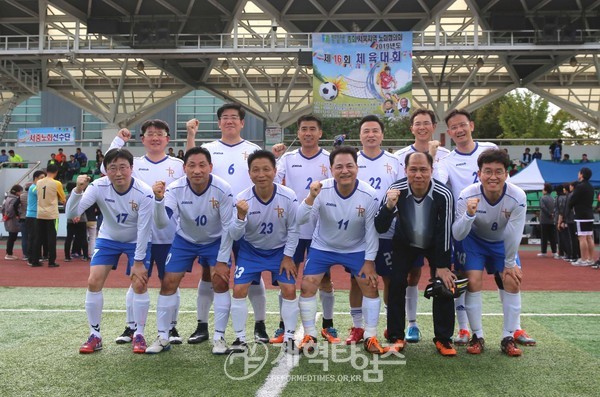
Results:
[123, 60]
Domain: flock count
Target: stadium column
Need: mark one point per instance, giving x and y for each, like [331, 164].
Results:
[108, 134]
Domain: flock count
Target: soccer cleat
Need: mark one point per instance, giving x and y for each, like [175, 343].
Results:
[356, 335]
[509, 348]
[330, 334]
[53, 264]
[476, 345]
[158, 346]
[278, 336]
[174, 337]
[139, 344]
[220, 347]
[10, 257]
[93, 344]
[200, 334]
[398, 345]
[308, 344]
[445, 348]
[238, 346]
[413, 334]
[260, 332]
[289, 347]
[522, 338]
[463, 337]
[596, 265]
[372, 346]
[125, 337]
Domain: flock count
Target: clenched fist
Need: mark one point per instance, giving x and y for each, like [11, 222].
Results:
[278, 149]
[242, 209]
[159, 190]
[472, 206]
[124, 134]
[192, 126]
[82, 183]
[392, 197]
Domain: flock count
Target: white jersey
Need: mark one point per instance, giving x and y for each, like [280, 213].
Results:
[299, 172]
[344, 225]
[168, 170]
[502, 221]
[127, 217]
[379, 172]
[402, 153]
[201, 218]
[268, 225]
[230, 162]
[459, 170]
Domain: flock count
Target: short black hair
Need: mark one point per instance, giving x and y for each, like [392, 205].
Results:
[309, 117]
[160, 124]
[51, 169]
[197, 150]
[37, 173]
[234, 106]
[342, 150]
[456, 112]
[115, 154]
[586, 173]
[494, 156]
[371, 117]
[548, 187]
[262, 154]
[408, 156]
[423, 111]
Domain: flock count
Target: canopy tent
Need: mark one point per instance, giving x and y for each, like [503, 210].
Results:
[539, 172]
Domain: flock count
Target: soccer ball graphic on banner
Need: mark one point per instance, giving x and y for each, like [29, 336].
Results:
[328, 91]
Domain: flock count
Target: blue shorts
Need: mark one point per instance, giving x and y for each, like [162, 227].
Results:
[303, 247]
[252, 261]
[319, 262]
[182, 254]
[108, 252]
[479, 254]
[158, 256]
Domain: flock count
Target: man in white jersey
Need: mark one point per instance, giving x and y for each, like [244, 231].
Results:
[379, 169]
[154, 166]
[490, 216]
[202, 204]
[229, 156]
[345, 234]
[126, 204]
[265, 225]
[459, 169]
[422, 126]
[297, 169]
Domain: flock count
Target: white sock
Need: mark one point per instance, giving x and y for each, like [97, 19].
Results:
[473, 305]
[357, 317]
[258, 298]
[461, 312]
[502, 294]
[412, 296]
[327, 301]
[222, 307]
[511, 306]
[129, 308]
[165, 309]
[239, 315]
[141, 305]
[308, 314]
[204, 300]
[94, 302]
[289, 313]
[371, 307]
[176, 312]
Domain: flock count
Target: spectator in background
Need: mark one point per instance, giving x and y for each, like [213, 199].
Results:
[547, 221]
[76, 231]
[339, 140]
[10, 216]
[15, 160]
[556, 150]
[536, 154]
[171, 152]
[63, 166]
[52, 160]
[569, 219]
[526, 159]
[31, 218]
[581, 201]
[73, 168]
[100, 158]
[584, 158]
[98, 155]
[3, 157]
[566, 159]
[23, 220]
[80, 157]
[565, 249]
[60, 156]
[180, 154]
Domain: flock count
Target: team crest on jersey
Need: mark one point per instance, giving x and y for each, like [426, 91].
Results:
[361, 211]
[280, 212]
[506, 213]
[171, 172]
[323, 170]
[245, 154]
[134, 206]
[388, 168]
[215, 203]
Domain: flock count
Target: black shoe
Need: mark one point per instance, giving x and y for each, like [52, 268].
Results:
[36, 264]
[126, 336]
[260, 332]
[200, 334]
[238, 346]
[53, 264]
[174, 337]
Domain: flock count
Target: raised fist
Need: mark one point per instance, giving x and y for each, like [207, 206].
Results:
[124, 134]
[159, 189]
[242, 209]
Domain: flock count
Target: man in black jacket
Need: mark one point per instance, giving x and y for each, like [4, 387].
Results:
[424, 211]
[582, 203]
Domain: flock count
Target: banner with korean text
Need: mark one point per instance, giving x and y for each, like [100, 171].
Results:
[47, 136]
[356, 74]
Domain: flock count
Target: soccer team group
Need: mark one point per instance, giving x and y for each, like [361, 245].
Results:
[376, 213]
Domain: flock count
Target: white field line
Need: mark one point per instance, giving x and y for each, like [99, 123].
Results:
[30, 310]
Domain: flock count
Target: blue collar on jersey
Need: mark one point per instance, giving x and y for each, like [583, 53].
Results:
[501, 196]
[157, 162]
[210, 178]
[372, 158]
[235, 144]
[268, 201]
[309, 158]
[351, 193]
[127, 191]
[468, 154]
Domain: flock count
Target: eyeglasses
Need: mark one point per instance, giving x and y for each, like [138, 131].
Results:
[122, 169]
[228, 118]
[155, 134]
[423, 124]
[459, 126]
[489, 173]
